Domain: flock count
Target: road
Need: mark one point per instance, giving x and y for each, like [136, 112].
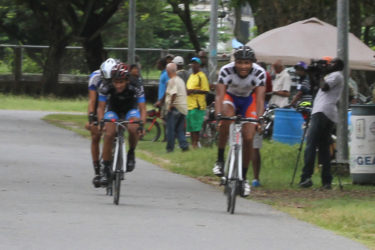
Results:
[47, 202]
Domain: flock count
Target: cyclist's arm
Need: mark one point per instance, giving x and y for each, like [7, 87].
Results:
[260, 92]
[142, 109]
[101, 109]
[92, 101]
[220, 92]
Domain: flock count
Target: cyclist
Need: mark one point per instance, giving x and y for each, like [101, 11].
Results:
[126, 100]
[236, 83]
[97, 78]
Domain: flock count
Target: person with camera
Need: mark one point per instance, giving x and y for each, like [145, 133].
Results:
[303, 85]
[323, 118]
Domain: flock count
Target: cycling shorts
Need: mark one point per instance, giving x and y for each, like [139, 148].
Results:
[244, 106]
[133, 113]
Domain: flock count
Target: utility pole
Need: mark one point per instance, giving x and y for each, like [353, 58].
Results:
[342, 53]
[131, 33]
[212, 57]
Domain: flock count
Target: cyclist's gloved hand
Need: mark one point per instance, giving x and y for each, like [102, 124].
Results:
[218, 116]
[91, 118]
[140, 129]
[101, 124]
[260, 125]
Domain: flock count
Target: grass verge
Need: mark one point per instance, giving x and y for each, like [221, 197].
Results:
[349, 212]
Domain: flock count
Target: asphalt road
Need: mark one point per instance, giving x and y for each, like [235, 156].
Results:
[47, 202]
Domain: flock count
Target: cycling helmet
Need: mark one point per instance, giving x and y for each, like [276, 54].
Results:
[245, 53]
[120, 71]
[178, 60]
[106, 67]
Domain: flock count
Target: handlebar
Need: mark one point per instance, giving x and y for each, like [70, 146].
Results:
[238, 118]
[122, 122]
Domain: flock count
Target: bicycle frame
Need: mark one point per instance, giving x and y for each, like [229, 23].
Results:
[235, 140]
[120, 145]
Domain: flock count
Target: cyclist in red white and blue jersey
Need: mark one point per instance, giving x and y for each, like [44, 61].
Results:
[237, 81]
[124, 99]
[96, 79]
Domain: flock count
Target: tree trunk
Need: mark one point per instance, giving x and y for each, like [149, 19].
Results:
[94, 52]
[55, 54]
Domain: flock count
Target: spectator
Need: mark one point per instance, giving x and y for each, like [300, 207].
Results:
[256, 157]
[323, 118]
[181, 72]
[353, 90]
[268, 82]
[280, 86]
[162, 63]
[303, 85]
[197, 88]
[204, 60]
[176, 105]
[169, 58]
[135, 75]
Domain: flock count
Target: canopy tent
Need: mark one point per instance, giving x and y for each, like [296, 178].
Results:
[306, 40]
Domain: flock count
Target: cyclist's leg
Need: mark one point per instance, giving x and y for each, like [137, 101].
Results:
[228, 110]
[109, 135]
[134, 115]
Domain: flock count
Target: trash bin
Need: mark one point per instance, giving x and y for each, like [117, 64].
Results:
[287, 126]
[362, 145]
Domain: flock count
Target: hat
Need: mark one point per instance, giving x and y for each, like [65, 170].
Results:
[196, 59]
[178, 60]
[327, 58]
[301, 65]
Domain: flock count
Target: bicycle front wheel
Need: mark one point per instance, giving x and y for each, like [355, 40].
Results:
[117, 187]
[152, 129]
[233, 185]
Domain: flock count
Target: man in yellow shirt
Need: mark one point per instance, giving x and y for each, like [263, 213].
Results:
[197, 88]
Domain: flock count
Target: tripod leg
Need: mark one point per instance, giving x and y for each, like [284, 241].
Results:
[299, 154]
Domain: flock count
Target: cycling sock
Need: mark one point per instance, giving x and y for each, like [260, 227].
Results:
[131, 151]
[96, 167]
[244, 173]
[220, 154]
[107, 163]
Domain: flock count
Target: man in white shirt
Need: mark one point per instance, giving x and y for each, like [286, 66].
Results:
[176, 105]
[280, 86]
[323, 118]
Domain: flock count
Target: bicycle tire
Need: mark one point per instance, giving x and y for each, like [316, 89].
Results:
[152, 130]
[117, 178]
[233, 186]
[117, 187]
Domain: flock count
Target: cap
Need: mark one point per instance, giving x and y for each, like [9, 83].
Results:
[196, 59]
[178, 60]
[301, 65]
[327, 58]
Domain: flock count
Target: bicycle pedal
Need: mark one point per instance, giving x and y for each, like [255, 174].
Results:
[223, 181]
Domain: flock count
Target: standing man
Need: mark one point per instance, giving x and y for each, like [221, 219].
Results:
[280, 86]
[197, 88]
[181, 72]
[175, 101]
[162, 63]
[323, 118]
[97, 78]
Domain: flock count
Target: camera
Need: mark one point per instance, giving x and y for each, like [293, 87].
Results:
[316, 71]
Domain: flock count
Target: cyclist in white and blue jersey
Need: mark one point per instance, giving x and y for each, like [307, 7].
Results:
[124, 99]
[239, 91]
[96, 79]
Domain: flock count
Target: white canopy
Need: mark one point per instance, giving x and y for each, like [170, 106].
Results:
[306, 40]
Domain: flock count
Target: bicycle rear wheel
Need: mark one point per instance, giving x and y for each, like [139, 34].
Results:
[152, 129]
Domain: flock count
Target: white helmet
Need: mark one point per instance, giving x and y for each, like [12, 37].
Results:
[178, 60]
[106, 67]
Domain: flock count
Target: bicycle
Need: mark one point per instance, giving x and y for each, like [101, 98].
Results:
[118, 170]
[232, 178]
[208, 134]
[152, 126]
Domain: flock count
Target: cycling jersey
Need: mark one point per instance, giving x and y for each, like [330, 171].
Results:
[95, 80]
[239, 86]
[123, 102]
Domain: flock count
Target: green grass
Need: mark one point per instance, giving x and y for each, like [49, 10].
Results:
[349, 212]
[22, 102]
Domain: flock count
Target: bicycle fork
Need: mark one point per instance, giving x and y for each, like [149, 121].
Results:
[234, 153]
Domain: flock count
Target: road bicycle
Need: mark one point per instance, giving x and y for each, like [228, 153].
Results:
[209, 134]
[232, 179]
[116, 174]
[152, 126]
